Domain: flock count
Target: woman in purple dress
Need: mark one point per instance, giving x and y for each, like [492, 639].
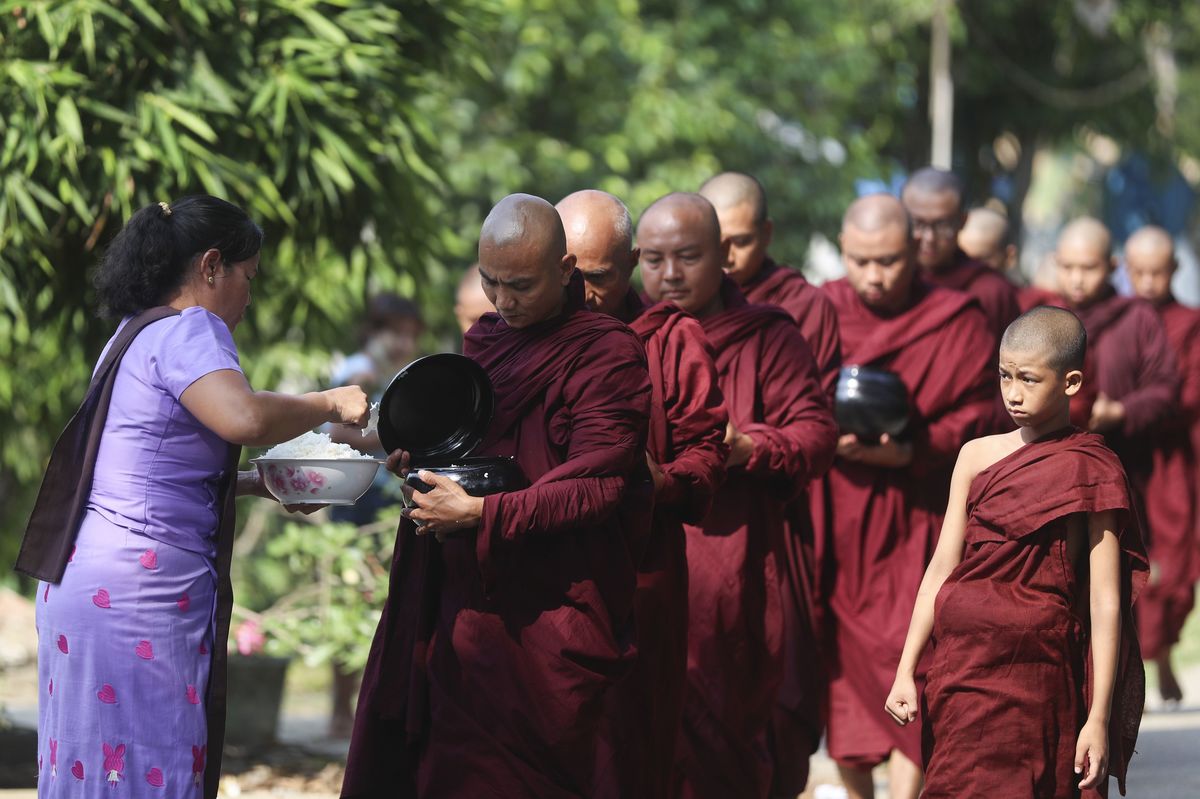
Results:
[125, 639]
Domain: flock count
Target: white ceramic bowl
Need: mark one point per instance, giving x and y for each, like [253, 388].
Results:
[315, 481]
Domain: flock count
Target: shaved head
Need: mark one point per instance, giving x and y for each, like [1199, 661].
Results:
[986, 237]
[872, 213]
[470, 302]
[523, 260]
[682, 254]
[932, 180]
[600, 236]
[1088, 232]
[1055, 334]
[731, 189]
[1083, 261]
[1150, 262]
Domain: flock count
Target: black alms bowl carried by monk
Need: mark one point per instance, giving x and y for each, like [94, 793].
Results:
[477, 476]
[438, 409]
[870, 402]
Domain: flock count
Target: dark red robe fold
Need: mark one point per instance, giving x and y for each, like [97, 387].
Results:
[497, 649]
[1009, 685]
[735, 657]
[996, 294]
[1171, 496]
[687, 441]
[797, 721]
[876, 527]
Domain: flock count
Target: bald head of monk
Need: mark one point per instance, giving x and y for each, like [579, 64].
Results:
[741, 205]
[934, 200]
[986, 237]
[523, 261]
[1150, 262]
[877, 251]
[600, 236]
[1083, 262]
[470, 302]
[1041, 367]
[682, 254]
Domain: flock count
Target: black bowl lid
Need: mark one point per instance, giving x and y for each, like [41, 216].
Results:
[437, 408]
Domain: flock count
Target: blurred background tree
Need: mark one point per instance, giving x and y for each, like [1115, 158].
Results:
[371, 138]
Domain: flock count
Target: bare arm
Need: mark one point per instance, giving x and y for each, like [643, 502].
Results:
[1104, 566]
[223, 402]
[902, 701]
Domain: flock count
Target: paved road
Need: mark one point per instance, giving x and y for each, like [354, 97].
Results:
[1167, 762]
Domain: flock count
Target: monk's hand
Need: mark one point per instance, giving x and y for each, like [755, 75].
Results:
[445, 509]
[1091, 754]
[741, 446]
[888, 453]
[848, 446]
[901, 703]
[656, 473]
[1107, 414]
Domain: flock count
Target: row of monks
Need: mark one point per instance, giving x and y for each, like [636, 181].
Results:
[706, 576]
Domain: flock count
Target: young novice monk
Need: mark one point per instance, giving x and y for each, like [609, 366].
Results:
[1036, 685]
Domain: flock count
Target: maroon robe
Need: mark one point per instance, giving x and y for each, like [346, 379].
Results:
[1009, 685]
[687, 441]
[735, 650]
[496, 650]
[877, 527]
[1171, 496]
[995, 293]
[796, 723]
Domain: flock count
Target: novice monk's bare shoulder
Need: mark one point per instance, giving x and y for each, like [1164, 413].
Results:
[980, 453]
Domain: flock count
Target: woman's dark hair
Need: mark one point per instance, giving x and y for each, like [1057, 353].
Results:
[149, 258]
[383, 310]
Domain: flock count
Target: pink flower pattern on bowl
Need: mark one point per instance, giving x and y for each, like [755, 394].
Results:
[332, 482]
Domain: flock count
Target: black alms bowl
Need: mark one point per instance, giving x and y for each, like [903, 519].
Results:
[477, 476]
[870, 402]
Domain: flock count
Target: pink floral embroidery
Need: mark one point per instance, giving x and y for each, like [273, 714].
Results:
[62, 645]
[203, 648]
[50, 687]
[149, 559]
[155, 777]
[184, 602]
[77, 770]
[192, 696]
[198, 753]
[107, 695]
[114, 763]
[46, 593]
[144, 650]
[53, 758]
[101, 599]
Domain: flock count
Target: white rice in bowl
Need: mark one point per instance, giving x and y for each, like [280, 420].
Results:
[313, 446]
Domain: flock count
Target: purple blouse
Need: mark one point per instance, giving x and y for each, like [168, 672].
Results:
[158, 468]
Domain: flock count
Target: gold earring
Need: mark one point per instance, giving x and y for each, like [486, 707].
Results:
[211, 280]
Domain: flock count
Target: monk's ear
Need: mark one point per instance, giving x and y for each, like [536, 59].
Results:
[635, 257]
[768, 230]
[567, 265]
[1074, 381]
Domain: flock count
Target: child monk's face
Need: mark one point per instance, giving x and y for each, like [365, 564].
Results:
[1083, 269]
[1034, 391]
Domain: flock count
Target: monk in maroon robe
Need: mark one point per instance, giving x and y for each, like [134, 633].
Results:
[1036, 686]
[987, 238]
[686, 453]
[934, 200]
[746, 228]
[781, 434]
[509, 617]
[878, 516]
[1171, 493]
[1135, 384]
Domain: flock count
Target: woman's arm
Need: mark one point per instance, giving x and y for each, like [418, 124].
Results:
[902, 701]
[1104, 567]
[224, 402]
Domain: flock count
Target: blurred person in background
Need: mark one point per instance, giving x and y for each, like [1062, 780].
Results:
[470, 301]
[389, 340]
[133, 608]
[987, 238]
[1171, 493]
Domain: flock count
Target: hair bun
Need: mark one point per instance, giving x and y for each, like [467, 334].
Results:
[166, 208]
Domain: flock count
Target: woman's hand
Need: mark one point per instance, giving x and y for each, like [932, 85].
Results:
[445, 509]
[348, 405]
[1091, 754]
[901, 702]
